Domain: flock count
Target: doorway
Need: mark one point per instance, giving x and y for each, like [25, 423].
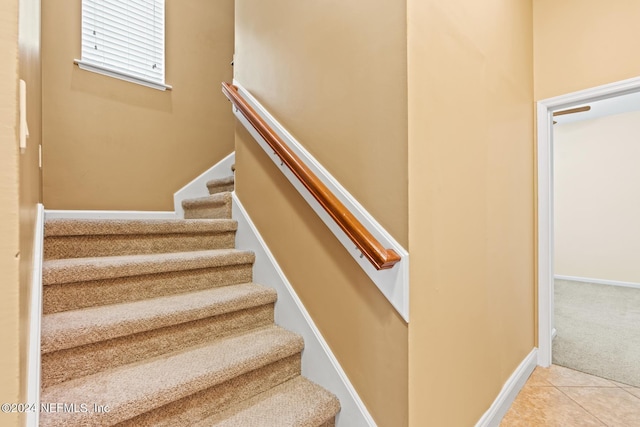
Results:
[545, 193]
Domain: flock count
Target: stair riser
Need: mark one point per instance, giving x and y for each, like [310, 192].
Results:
[219, 397]
[213, 189]
[89, 359]
[212, 212]
[59, 247]
[71, 296]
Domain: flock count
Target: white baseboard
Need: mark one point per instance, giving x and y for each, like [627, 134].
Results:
[598, 281]
[198, 186]
[393, 282]
[318, 362]
[71, 214]
[33, 361]
[509, 391]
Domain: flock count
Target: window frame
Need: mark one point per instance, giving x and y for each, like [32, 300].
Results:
[117, 60]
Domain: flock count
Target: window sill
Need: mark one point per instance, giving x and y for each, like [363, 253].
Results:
[89, 66]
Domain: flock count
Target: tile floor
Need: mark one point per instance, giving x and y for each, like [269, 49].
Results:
[558, 396]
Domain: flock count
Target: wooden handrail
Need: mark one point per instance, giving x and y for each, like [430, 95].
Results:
[371, 248]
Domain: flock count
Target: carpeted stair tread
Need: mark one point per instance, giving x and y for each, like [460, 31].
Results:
[83, 238]
[134, 389]
[295, 403]
[79, 227]
[64, 365]
[214, 206]
[221, 184]
[74, 328]
[218, 199]
[196, 407]
[72, 270]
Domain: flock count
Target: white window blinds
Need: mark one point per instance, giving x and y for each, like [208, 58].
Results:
[124, 39]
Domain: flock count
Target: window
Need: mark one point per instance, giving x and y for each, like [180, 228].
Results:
[124, 39]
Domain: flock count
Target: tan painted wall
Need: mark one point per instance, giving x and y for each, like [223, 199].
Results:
[334, 74]
[110, 144]
[597, 198]
[9, 210]
[580, 44]
[471, 213]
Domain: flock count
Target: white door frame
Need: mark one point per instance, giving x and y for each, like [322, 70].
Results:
[545, 109]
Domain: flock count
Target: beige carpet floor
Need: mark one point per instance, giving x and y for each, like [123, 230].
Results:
[598, 330]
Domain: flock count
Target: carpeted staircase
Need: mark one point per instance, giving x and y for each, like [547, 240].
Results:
[158, 323]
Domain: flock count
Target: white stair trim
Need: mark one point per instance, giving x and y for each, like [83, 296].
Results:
[318, 362]
[393, 282]
[35, 322]
[598, 281]
[198, 186]
[510, 390]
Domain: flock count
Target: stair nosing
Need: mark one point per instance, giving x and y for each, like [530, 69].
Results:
[216, 199]
[292, 389]
[226, 181]
[76, 328]
[72, 270]
[59, 227]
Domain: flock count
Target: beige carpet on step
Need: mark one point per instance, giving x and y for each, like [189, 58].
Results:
[160, 322]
